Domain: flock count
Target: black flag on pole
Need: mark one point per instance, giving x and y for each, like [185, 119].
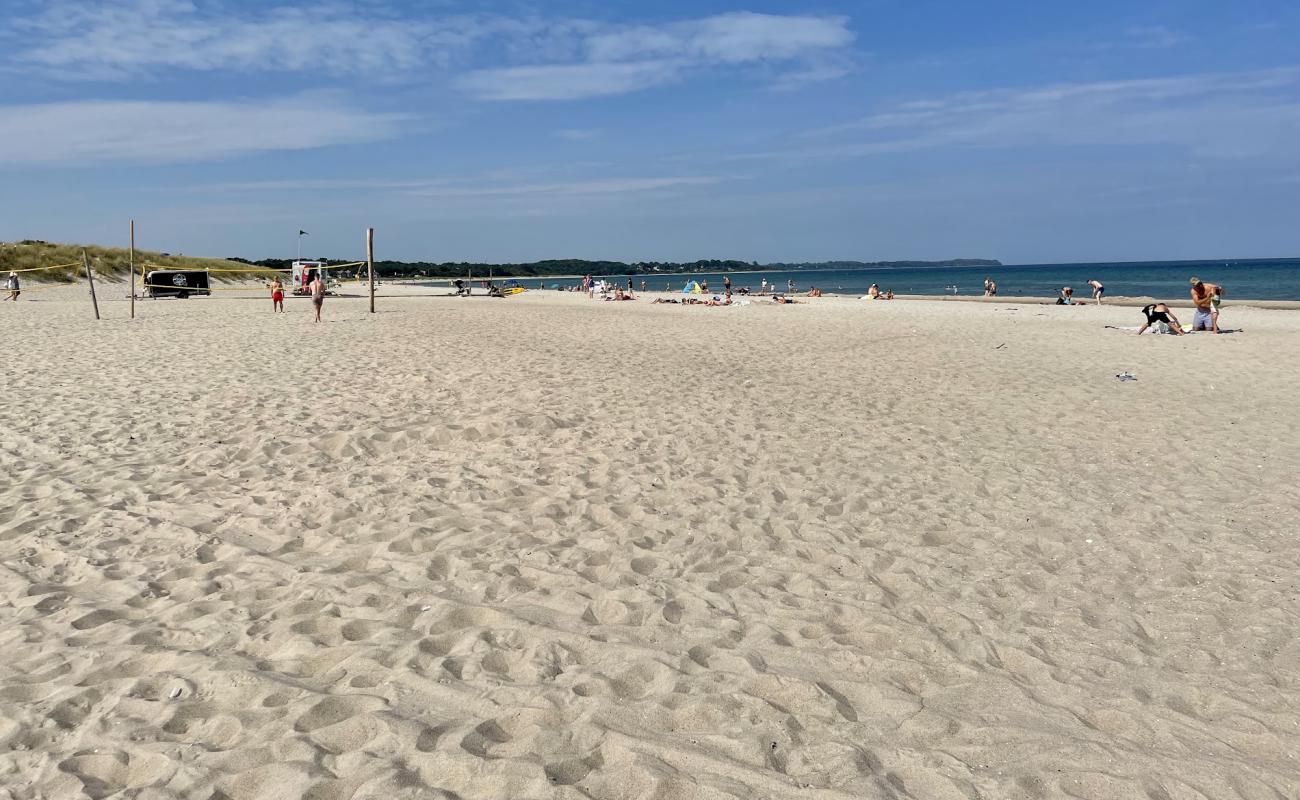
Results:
[303, 233]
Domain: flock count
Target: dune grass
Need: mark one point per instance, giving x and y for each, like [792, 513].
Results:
[110, 263]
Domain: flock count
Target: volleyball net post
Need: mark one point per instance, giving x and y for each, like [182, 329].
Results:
[131, 268]
[90, 278]
[370, 265]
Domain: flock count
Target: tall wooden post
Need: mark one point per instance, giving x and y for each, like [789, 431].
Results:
[90, 276]
[132, 267]
[370, 264]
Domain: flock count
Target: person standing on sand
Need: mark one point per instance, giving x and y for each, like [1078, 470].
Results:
[643, 285]
[990, 287]
[987, 283]
[318, 294]
[726, 283]
[13, 286]
[1216, 297]
[277, 295]
[1097, 289]
[1202, 298]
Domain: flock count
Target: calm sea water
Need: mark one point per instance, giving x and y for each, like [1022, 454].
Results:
[1165, 280]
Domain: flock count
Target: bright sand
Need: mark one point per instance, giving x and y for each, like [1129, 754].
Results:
[546, 547]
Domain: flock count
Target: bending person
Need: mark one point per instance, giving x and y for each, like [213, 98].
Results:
[1157, 313]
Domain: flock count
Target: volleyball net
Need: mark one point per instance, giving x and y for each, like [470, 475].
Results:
[54, 276]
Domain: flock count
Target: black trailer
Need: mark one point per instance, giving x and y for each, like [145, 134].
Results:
[180, 283]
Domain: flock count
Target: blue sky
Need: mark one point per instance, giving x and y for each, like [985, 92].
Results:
[768, 131]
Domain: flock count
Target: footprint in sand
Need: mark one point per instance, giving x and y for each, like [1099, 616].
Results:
[333, 710]
[103, 774]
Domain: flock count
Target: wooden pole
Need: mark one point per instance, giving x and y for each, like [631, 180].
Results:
[132, 264]
[90, 276]
[370, 264]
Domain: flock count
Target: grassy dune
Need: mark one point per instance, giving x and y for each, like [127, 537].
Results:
[107, 262]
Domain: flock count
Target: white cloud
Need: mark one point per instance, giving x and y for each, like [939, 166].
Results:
[168, 132]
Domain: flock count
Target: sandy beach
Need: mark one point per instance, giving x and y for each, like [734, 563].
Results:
[545, 547]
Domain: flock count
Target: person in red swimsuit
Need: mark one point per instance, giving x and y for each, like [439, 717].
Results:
[277, 295]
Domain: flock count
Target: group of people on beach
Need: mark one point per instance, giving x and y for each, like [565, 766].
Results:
[1066, 295]
[1206, 298]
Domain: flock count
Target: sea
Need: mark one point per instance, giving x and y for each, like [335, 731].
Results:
[1254, 279]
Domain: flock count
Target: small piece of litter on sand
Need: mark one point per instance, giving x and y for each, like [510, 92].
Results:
[1126, 376]
[175, 693]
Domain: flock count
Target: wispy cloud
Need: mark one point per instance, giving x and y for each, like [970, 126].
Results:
[169, 132]
[734, 38]
[124, 38]
[1154, 36]
[814, 72]
[578, 134]
[602, 186]
[568, 81]
[531, 57]
[481, 186]
[1216, 115]
[621, 60]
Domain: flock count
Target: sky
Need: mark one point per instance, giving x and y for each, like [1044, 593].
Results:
[1031, 132]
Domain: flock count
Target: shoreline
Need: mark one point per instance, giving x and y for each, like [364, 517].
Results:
[254, 289]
